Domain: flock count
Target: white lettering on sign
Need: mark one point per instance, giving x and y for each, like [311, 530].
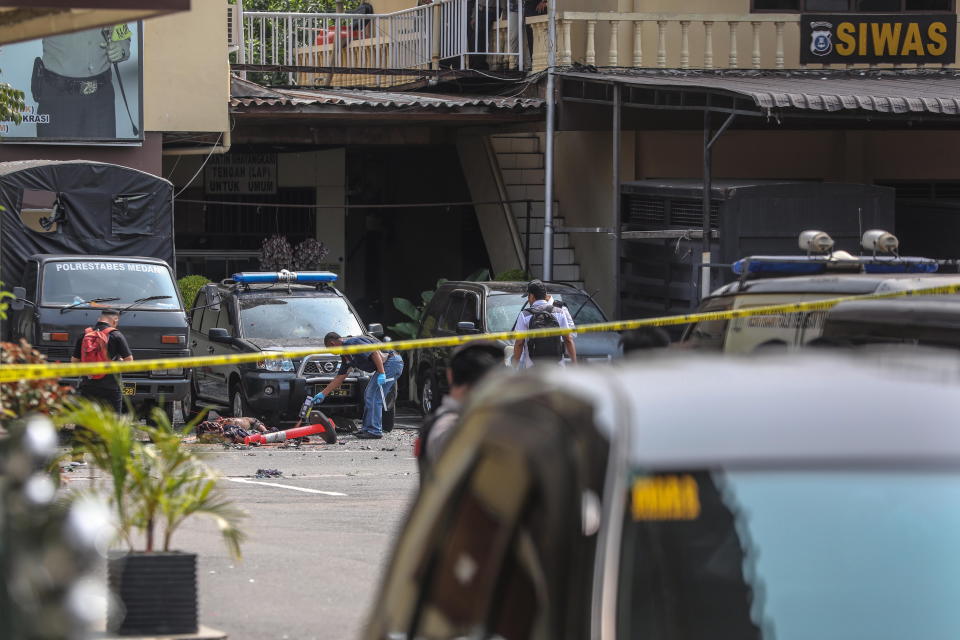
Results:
[110, 266]
[241, 174]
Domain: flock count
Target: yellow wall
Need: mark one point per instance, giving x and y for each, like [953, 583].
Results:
[584, 183]
[182, 52]
[389, 6]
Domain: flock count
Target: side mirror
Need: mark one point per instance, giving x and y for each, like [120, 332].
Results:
[376, 330]
[467, 328]
[219, 335]
[211, 297]
[19, 298]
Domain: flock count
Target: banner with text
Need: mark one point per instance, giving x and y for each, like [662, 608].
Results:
[241, 174]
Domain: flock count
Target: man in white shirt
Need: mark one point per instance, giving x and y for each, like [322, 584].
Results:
[537, 297]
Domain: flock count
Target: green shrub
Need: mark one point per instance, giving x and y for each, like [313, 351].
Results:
[408, 330]
[189, 286]
[512, 275]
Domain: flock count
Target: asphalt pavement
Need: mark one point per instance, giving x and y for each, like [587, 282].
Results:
[319, 535]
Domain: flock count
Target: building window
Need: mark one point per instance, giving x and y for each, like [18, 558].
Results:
[854, 6]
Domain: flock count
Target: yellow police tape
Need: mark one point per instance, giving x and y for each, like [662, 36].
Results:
[18, 372]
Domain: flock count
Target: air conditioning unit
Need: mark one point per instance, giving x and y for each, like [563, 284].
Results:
[234, 26]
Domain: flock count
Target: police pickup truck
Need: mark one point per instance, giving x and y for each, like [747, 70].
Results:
[269, 313]
[819, 275]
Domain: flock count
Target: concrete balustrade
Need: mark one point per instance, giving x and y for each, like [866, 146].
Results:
[676, 41]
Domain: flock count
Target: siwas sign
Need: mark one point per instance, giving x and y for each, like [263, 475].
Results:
[850, 39]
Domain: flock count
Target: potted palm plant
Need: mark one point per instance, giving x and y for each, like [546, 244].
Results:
[154, 487]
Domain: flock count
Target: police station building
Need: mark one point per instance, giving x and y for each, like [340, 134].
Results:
[743, 93]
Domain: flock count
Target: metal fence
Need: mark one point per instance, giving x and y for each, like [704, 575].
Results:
[453, 34]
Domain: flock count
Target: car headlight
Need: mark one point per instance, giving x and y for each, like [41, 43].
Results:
[166, 373]
[275, 364]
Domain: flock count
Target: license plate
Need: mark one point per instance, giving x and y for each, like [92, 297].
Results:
[343, 391]
[129, 389]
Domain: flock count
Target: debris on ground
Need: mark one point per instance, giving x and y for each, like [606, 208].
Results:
[269, 473]
[230, 430]
[296, 443]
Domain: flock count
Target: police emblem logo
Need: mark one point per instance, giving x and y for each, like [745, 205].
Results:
[821, 38]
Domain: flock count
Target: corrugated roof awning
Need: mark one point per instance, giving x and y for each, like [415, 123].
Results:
[20, 20]
[253, 99]
[890, 92]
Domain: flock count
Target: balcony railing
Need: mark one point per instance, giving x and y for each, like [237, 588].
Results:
[677, 41]
[338, 49]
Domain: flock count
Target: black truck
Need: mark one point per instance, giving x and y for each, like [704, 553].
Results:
[79, 236]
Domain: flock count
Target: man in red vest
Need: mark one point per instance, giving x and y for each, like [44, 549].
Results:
[100, 343]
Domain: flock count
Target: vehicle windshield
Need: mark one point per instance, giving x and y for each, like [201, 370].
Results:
[503, 309]
[709, 334]
[71, 282]
[296, 317]
[753, 555]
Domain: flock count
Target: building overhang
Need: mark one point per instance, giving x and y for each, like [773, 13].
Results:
[21, 20]
[800, 99]
[253, 103]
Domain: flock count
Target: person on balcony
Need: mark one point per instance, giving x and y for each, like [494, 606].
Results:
[479, 19]
[531, 8]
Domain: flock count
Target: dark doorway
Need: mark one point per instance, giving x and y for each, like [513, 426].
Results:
[400, 252]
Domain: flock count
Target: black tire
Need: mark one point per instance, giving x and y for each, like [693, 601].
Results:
[169, 410]
[189, 406]
[238, 403]
[427, 394]
[145, 411]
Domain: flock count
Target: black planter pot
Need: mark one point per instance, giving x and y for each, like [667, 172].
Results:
[154, 593]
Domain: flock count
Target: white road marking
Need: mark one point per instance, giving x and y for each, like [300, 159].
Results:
[285, 486]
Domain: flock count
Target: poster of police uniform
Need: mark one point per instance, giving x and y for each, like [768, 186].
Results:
[79, 87]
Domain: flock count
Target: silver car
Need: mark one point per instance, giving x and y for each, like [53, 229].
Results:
[814, 497]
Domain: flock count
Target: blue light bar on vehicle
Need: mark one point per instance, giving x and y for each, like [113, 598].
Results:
[891, 264]
[813, 265]
[780, 265]
[301, 277]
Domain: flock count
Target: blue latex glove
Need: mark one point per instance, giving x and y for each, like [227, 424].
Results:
[381, 379]
[318, 399]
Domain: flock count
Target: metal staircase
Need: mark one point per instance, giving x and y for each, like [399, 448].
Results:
[521, 163]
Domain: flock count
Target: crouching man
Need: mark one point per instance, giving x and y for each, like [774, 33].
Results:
[387, 366]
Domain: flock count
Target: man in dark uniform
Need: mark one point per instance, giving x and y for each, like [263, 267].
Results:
[73, 85]
[388, 367]
[105, 390]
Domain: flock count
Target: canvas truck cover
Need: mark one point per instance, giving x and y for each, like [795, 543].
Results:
[89, 207]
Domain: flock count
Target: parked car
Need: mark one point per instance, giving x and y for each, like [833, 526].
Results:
[266, 313]
[779, 497]
[775, 280]
[491, 307]
[921, 320]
